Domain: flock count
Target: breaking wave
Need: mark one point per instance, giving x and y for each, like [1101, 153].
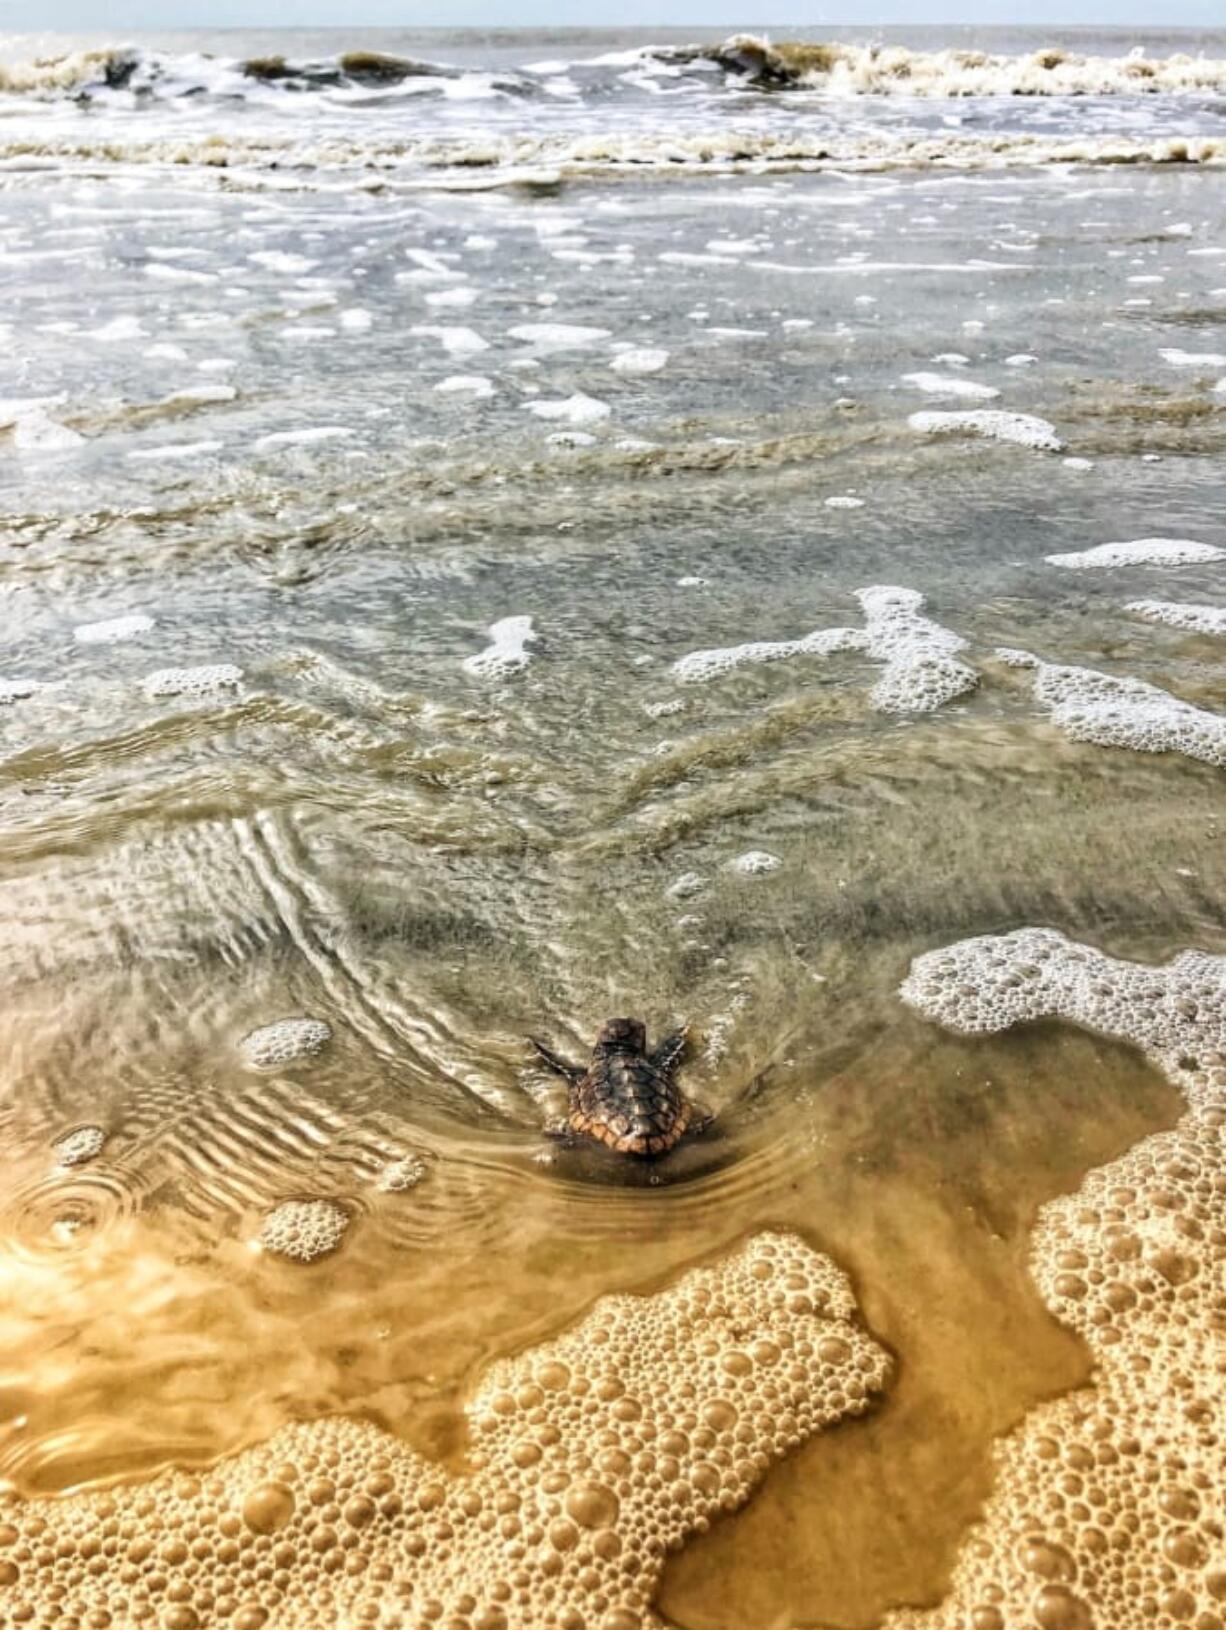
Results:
[466, 162]
[831, 69]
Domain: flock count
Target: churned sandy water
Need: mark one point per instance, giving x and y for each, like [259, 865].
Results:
[501, 532]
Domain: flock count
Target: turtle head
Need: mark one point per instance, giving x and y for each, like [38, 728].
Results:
[622, 1036]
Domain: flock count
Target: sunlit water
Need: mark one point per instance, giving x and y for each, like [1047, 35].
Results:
[332, 436]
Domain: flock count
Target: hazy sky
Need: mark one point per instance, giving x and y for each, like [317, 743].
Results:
[110, 16]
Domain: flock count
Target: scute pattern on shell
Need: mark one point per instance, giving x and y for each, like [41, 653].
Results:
[624, 1101]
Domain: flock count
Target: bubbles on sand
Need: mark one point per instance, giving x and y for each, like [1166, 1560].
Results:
[921, 670]
[1097, 707]
[112, 630]
[76, 1148]
[304, 1229]
[639, 359]
[697, 667]
[593, 1456]
[207, 680]
[1140, 552]
[401, 1174]
[756, 863]
[574, 410]
[507, 651]
[286, 1041]
[1108, 1509]
[1023, 429]
[1193, 359]
[1176, 614]
[17, 690]
[947, 385]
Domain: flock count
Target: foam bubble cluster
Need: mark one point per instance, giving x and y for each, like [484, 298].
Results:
[285, 1041]
[593, 1457]
[304, 1229]
[1024, 429]
[1176, 614]
[112, 630]
[921, 671]
[573, 410]
[1111, 712]
[697, 667]
[402, 1174]
[950, 385]
[1109, 1511]
[17, 690]
[75, 1148]
[507, 651]
[205, 680]
[1140, 552]
[756, 863]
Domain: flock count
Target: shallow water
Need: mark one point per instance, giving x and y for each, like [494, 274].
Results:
[221, 415]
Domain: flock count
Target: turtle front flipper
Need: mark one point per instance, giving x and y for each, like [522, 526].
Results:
[666, 1054]
[559, 1066]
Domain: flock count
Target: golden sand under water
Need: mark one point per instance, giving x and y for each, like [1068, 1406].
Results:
[931, 1213]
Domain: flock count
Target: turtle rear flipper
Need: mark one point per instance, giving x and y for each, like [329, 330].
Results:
[701, 1118]
[569, 1072]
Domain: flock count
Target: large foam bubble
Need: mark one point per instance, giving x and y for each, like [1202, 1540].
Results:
[304, 1229]
[1111, 712]
[1140, 552]
[285, 1041]
[1024, 429]
[697, 667]
[592, 1457]
[507, 651]
[1108, 1512]
[1178, 614]
[921, 670]
[207, 680]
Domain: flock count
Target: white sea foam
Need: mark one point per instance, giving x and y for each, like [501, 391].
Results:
[205, 680]
[643, 359]
[172, 451]
[456, 342]
[79, 1147]
[945, 385]
[285, 1041]
[1193, 359]
[17, 690]
[300, 438]
[921, 670]
[475, 385]
[1140, 552]
[1197, 619]
[112, 630]
[507, 651]
[1024, 429]
[34, 431]
[1110, 712]
[576, 410]
[697, 667]
[545, 337]
[755, 863]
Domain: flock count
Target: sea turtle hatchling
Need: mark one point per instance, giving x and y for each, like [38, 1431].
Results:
[628, 1097]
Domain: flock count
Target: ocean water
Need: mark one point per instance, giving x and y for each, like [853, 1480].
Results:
[498, 531]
